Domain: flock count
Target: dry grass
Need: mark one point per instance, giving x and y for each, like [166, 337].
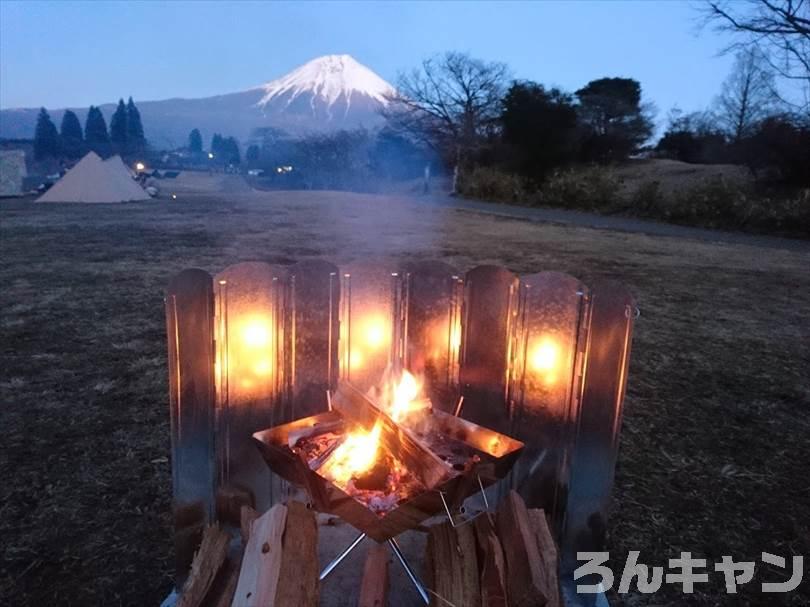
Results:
[714, 455]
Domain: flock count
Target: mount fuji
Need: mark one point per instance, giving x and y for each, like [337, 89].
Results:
[325, 94]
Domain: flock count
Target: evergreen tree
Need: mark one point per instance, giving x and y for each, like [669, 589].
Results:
[118, 128]
[95, 132]
[231, 150]
[195, 144]
[617, 123]
[216, 146]
[136, 142]
[46, 137]
[72, 138]
[252, 155]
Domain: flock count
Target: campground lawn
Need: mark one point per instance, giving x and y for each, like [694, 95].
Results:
[715, 457]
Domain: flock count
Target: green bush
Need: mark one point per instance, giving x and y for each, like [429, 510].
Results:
[717, 203]
[488, 183]
[591, 188]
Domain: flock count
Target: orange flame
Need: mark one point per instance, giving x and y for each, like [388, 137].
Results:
[359, 451]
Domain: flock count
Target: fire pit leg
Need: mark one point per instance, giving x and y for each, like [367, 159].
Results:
[411, 575]
[339, 558]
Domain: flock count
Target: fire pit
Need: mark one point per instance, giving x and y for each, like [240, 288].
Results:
[522, 383]
[399, 476]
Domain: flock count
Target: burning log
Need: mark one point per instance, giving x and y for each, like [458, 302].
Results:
[374, 588]
[204, 567]
[280, 564]
[525, 575]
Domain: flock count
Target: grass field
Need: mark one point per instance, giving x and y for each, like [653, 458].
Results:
[715, 457]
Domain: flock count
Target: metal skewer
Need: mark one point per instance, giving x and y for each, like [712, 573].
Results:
[339, 558]
[411, 575]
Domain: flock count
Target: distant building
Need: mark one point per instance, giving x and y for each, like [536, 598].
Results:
[12, 172]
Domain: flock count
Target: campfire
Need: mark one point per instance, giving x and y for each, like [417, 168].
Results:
[385, 466]
[388, 395]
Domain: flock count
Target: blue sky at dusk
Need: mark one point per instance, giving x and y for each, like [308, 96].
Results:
[63, 53]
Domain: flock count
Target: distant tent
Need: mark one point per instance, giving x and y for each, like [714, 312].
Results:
[96, 180]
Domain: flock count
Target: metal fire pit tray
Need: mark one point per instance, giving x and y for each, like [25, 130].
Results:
[496, 454]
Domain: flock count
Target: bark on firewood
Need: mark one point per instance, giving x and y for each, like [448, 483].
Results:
[374, 589]
[280, 563]
[492, 563]
[207, 562]
[525, 576]
[548, 555]
[452, 566]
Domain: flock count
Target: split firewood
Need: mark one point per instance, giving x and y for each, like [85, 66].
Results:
[525, 575]
[549, 555]
[374, 588]
[261, 562]
[246, 517]
[224, 586]
[207, 562]
[452, 566]
[299, 565]
[492, 563]
[280, 563]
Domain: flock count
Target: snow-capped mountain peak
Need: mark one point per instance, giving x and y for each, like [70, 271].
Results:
[328, 78]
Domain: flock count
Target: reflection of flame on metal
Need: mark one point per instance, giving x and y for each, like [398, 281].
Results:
[255, 333]
[262, 367]
[544, 358]
[372, 330]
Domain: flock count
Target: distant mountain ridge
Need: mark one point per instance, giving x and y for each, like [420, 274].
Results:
[328, 93]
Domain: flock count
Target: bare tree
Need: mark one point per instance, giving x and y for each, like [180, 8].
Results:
[780, 29]
[452, 103]
[748, 94]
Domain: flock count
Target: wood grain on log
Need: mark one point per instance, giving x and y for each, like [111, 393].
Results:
[374, 588]
[525, 576]
[280, 563]
[492, 563]
[299, 564]
[246, 517]
[261, 563]
[549, 556]
[207, 562]
[452, 566]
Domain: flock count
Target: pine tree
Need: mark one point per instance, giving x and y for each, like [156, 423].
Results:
[118, 128]
[195, 144]
[253, 155]
[231, 150]
[136, 142]
[216, 146]
[95, 132]
[72, 138]
[46, 137]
